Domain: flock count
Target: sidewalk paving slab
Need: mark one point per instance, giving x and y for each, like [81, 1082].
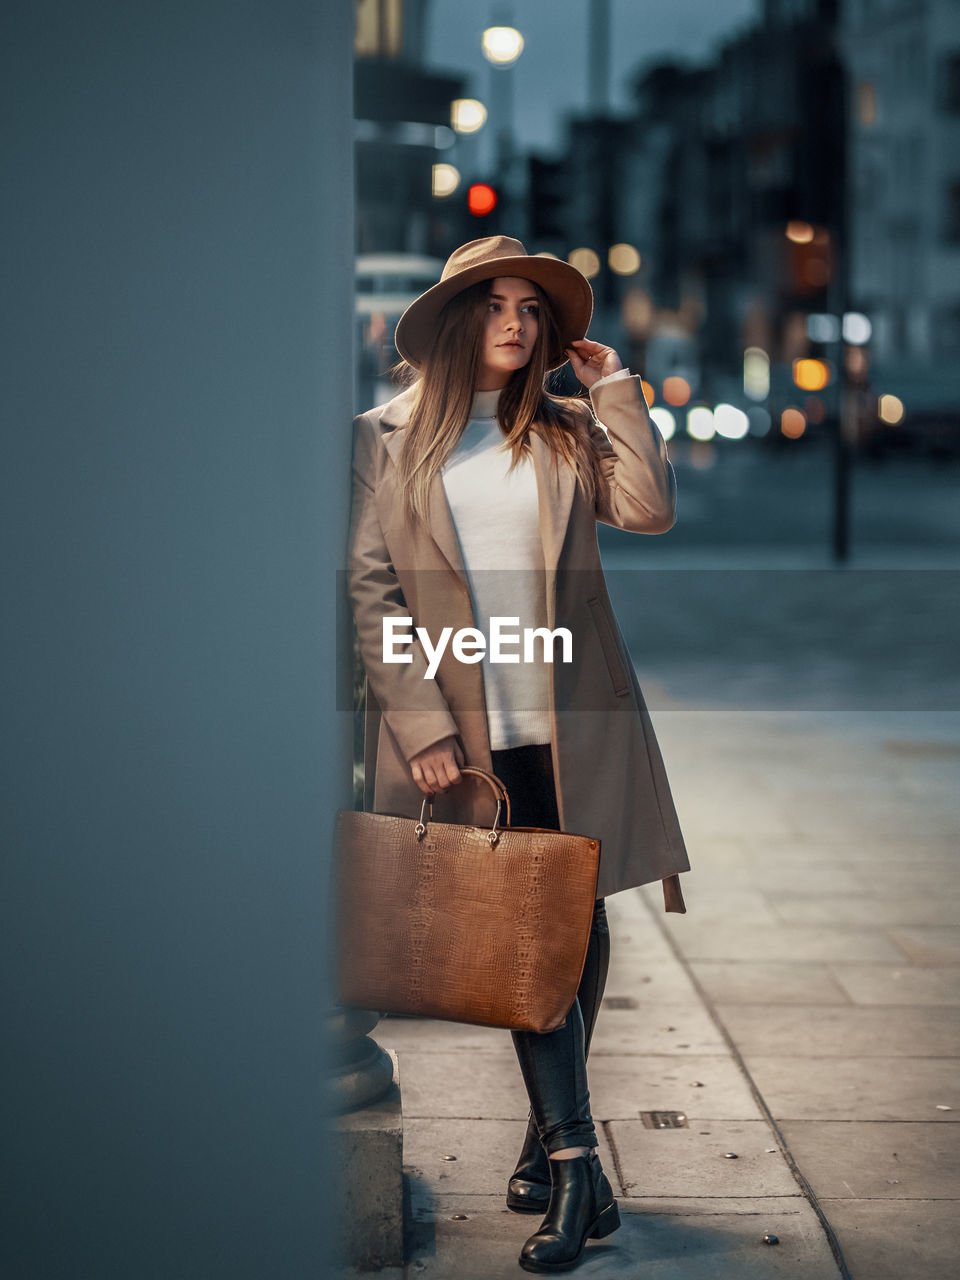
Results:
[832, 1032]
[844, 1015]
[744, 940]
[659, 1239]
[899, 985]
[769, 983]
[694, 1161]
[873, 1160]
[896, 1239]
[872, 1088]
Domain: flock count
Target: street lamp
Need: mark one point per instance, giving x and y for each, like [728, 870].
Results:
[502, 45]
[467, 115]
[446, 179]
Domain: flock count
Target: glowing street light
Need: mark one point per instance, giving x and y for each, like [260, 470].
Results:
[890, 409]
[665, 421]
[586, 262]
[792, 423]
[811, 375]
[623, 259]
[756, 373]
[700, 423]
[730, 422]
[502, 45]
[481, 199]
[676, 391]
[446, 179]
[800, 232]
[857, 329]
[467, 115]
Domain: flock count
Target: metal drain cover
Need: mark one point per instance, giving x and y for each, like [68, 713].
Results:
[664, 1119]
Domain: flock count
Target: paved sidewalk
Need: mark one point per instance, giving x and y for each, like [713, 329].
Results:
[802, 1016]
[824, 935]
[687, 1210]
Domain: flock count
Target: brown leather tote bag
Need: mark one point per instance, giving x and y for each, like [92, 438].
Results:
[460, 923]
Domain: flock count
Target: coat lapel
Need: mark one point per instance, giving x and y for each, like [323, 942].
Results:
[555, 492]
[439, 518]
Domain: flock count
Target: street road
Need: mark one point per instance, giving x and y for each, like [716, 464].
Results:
[740, 604]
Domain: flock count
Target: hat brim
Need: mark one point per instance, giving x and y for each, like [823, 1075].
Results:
[567, 288]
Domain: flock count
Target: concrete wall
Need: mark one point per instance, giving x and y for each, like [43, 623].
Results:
[177, 246]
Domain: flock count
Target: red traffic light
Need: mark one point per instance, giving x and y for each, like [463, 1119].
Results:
[481, 199]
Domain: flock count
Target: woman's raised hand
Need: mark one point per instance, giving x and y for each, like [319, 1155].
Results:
[437, 767]
[592, 360]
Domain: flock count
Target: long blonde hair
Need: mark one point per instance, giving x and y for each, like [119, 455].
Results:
[447, 384]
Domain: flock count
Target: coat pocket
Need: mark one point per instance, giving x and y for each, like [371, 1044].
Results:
[611, 650]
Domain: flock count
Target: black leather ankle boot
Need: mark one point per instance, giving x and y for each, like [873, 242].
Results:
[528, 1190]
[582, 1208]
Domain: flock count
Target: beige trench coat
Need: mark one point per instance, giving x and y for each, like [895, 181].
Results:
[609, 773]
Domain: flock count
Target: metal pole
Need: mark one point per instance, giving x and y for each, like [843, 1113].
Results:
[846, 428]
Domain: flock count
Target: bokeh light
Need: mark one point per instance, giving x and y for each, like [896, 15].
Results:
[481, 199]
[702, 455]
[666, 422]
[700, 423]
[759, 419]
[756, 373]
[467, 115]
[792, 423]
[811, 375]
[623, 259]
[648, 392]
[800, 232]
[637, 312]
[815, 410]
[730, 422]
[822, 327]
[857, 328]
[585, 261]
[856, 362]
[676, 391]
[502, 45]
[446, 179]
[890, 409]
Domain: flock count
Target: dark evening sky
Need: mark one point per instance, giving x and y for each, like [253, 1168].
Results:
[551, 74]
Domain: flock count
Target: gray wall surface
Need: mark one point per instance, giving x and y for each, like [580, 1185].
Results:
[177, 301]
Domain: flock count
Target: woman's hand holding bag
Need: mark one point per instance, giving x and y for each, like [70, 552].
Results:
[437, 766]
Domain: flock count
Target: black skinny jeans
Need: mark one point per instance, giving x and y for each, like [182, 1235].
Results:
[553, 1063]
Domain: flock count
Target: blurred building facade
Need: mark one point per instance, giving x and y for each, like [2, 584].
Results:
[904, 128]
[730, 155]
[402, 128]
[839, 117]
[702, 181]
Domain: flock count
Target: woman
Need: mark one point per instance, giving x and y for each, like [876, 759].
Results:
[476, 497]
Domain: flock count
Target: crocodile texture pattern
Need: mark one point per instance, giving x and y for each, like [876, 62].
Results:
[448, 927]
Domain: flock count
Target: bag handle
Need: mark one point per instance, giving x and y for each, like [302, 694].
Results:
[495, 785]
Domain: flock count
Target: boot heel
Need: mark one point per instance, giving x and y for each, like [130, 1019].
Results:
[607, 1223]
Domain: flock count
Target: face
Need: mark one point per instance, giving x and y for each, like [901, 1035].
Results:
[510, 330]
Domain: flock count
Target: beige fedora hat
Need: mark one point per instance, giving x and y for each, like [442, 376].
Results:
[567, 288]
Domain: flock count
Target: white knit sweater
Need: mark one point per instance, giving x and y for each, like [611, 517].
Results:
[496, 515]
